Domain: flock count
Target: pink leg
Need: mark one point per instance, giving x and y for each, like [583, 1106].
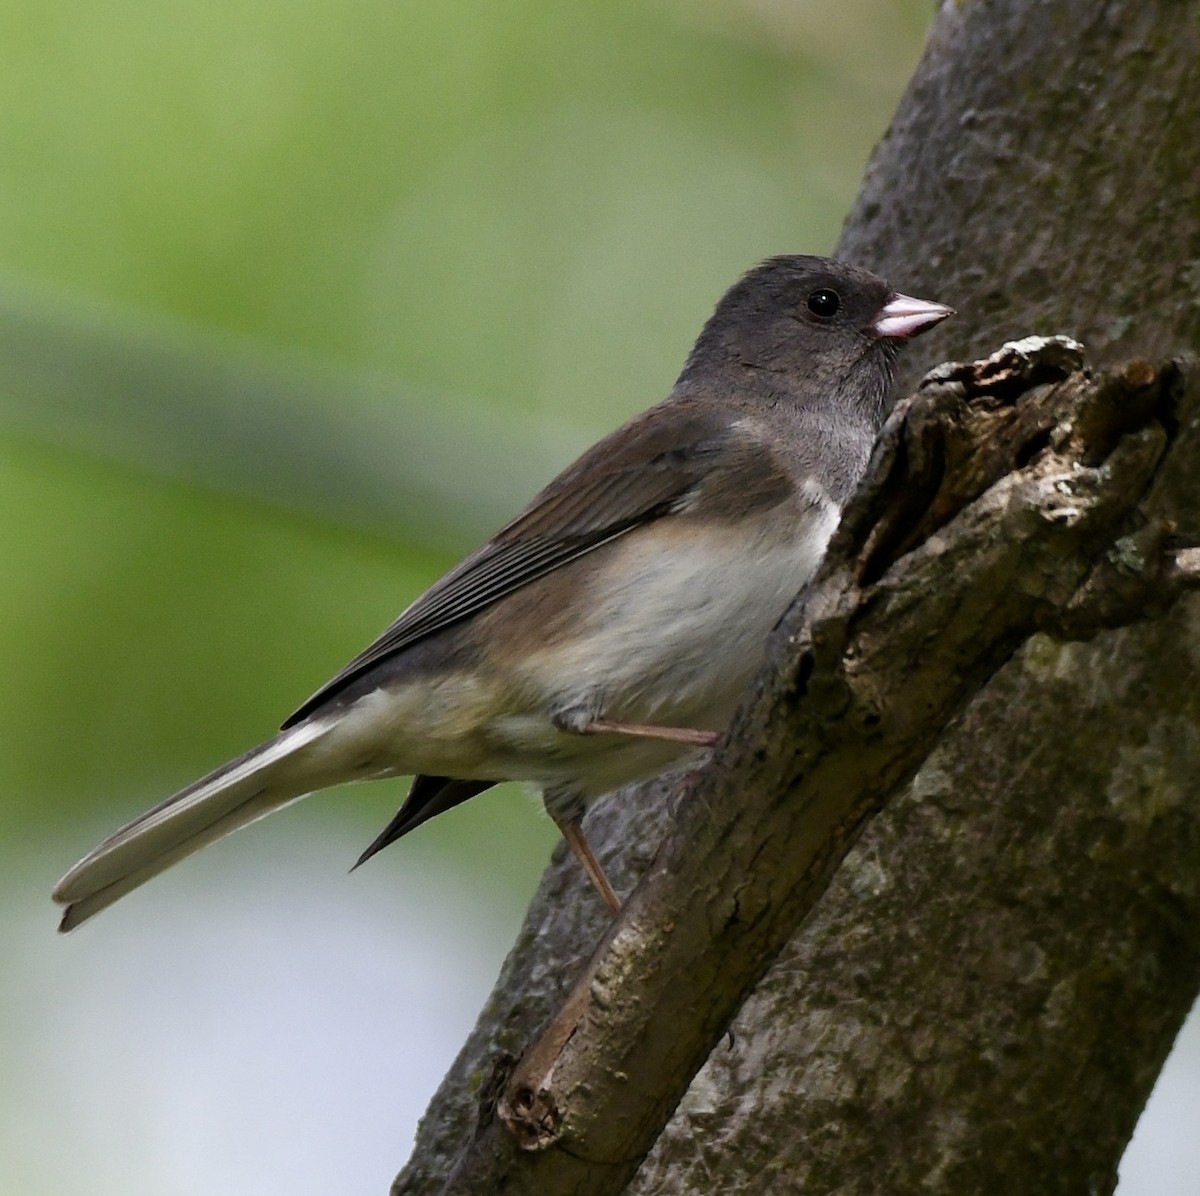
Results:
[573, 833]
[644, 731]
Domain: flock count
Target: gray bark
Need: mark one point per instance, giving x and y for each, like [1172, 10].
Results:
[984, 996]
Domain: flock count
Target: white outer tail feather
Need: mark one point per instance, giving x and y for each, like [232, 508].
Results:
[238, 793]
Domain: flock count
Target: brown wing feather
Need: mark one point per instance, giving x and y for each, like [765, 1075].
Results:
[637, 474]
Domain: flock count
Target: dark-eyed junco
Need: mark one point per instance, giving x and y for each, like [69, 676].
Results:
[612, 626]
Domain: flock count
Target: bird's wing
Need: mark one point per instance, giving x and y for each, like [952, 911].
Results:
[646, 470]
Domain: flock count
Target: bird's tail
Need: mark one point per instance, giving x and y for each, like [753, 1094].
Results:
[236, 794]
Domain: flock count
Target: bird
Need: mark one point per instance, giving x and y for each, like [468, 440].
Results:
[608, 631]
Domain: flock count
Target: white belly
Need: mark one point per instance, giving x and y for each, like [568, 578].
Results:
[676, 644]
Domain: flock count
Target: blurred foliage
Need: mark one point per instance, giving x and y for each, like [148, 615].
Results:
[486, 198]
[146, 617]
[517, 214]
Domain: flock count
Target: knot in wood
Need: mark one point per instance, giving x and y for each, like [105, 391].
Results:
[532, 1118]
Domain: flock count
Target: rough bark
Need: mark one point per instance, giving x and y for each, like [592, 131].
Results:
[984, 996]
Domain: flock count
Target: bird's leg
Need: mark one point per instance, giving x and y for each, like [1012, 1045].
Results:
[579, 721]
[688, 735]
[572, 831]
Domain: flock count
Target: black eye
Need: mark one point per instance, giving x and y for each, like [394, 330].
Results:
[824, 303]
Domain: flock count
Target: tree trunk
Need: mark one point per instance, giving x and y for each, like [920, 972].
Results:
[983, 998]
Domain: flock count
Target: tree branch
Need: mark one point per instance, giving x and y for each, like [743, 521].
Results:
[907, 620]
[983, 998]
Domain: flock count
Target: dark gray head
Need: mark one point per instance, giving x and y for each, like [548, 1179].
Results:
[811, 326]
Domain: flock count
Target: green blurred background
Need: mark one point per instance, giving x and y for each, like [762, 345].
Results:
[297, 303]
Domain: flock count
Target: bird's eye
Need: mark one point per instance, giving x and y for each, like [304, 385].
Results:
[824, 303]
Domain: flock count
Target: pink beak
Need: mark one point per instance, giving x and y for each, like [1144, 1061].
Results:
[903, 316]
